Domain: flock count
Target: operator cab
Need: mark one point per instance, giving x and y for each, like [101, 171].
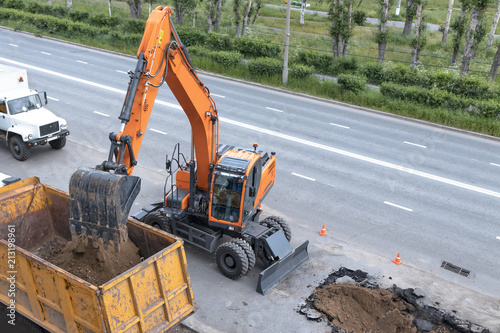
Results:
[235, 183]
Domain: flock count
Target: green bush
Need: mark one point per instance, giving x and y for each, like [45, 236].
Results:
[350, 82]
[343, 65]
[441, 98]
[321, 61]
[299, 71]
[60, 12]
[227, 58]
[219, 42]
[191, 37]
[38, 8]
[265, 66]
[78, 16]
[14, 4]
[256, 48]
[359, 17]
[101, 20]
[372, 72]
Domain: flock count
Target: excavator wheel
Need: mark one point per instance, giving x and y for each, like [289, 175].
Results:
[248, 250]
[231, 260]
[278, 222]
[158, 220]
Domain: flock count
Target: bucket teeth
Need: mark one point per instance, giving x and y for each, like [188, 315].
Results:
[100, 203]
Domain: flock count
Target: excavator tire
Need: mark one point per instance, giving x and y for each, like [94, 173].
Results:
[278, 222]
[158, 220]
[248, 250]
[231, 260]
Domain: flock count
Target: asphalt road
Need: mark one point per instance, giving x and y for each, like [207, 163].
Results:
[381, 185]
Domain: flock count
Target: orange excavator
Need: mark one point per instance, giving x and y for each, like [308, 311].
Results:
[217, 192]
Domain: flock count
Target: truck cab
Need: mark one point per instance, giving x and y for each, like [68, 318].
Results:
[24, 120]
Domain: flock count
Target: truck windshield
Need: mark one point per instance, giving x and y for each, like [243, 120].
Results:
[24, 104]
[226, 199]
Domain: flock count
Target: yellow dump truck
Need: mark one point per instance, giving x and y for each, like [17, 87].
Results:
[152, 296]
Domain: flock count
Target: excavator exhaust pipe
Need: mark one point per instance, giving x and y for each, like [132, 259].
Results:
[100, 203]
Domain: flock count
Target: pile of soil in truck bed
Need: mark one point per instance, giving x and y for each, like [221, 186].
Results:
[94, 265]
[351, 301]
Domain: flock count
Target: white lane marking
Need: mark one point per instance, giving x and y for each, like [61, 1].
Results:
[364, 158]
[273, 109]
[122, 72]
[157, 131]
[342, 126]
[494, 164]
[302, 176]
[82, 62]
[398, 206]
[14, 45]
[101, 114]
[498, 237]
[414, 144]
[46, 53]
[220, 96]
[52, 99]
[280, 135]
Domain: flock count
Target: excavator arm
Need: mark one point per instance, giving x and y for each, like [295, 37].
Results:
[101, 198]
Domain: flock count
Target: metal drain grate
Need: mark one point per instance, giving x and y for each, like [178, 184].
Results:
[455, 269]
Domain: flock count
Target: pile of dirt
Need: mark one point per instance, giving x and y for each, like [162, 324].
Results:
[352, 301]
[96, 265]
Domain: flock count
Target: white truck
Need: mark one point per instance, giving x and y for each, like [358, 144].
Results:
[24, 121]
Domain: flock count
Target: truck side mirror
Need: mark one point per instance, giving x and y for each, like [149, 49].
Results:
[43, 97]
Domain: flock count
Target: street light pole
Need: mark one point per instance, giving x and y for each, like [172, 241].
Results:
[287, 38]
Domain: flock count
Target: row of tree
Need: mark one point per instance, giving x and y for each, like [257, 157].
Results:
[470, 24]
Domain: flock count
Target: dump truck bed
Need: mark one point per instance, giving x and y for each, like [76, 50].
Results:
[152, 296]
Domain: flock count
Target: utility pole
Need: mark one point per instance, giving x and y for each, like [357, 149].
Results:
[287, 38]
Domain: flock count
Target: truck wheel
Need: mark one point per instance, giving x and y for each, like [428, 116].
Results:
[231, 260]
[58, 143]
[157, 220]
[278, 222]
[248, 251]
[19, 148]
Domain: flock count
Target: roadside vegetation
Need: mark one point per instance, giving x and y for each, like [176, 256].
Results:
[429, 88]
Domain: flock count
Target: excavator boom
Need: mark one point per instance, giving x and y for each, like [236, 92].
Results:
[101, 198]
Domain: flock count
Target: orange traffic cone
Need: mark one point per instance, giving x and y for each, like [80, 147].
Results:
[397, 261]
[322, 232]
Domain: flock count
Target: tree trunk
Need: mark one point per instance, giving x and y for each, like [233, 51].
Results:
[349, 28]
[49, 2]
[218, 14]
[469, 40]
[456, 47]
[69, 4]
[245, 18]
[340, 35]
[209, 15]
[447, 23]
[383, 30]
[302, 11]
[135, 7]
[409, 17]
[237, 17]
[334, 28]
[415, 52]
[493, 28]
[495, 65]
[257, 11]
[179, 14]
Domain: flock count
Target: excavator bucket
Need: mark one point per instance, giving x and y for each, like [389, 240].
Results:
[100, 203]
[286, 264]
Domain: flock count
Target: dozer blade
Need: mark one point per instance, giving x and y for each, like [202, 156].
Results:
[278, 271]
[100, 203]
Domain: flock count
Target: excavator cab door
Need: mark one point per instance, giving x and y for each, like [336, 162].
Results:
[227, 191]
